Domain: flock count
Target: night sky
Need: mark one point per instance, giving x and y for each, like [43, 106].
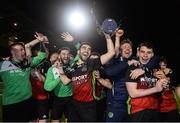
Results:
[142, 20]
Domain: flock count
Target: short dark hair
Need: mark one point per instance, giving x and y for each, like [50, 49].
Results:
[146, 44]
[127, 41]
[163, 59]
[64, 48]
[85, 43]
[53, 53]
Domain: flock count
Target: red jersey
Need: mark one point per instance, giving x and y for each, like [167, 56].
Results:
[38, 91]
[82, 87]
[144, 81]
[146, 102]
[82, 83]
[167, 101]
[81, 76]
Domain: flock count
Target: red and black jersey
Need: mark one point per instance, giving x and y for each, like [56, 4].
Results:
[38, 91]
[81, 76]
[167, 101]
[82, 84]
[144, 81]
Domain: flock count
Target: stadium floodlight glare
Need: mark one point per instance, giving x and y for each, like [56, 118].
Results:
[77, 19]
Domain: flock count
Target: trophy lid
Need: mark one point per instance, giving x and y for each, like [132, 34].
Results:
[109, 25]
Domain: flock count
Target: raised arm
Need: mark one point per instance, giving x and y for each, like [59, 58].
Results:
[119, 34]
[67, 37]
[39, 38]
[110, 50]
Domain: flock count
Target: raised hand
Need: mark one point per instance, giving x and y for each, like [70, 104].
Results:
[107, 36]
[119, 32]
[41, 37]
[67, 37]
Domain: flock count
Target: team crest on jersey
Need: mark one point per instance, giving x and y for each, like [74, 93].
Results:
[110, 114]
[55, 72]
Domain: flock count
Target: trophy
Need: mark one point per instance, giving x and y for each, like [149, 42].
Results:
[109, 26]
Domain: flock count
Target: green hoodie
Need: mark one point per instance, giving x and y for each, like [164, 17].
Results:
[16, 83]
[53, 82]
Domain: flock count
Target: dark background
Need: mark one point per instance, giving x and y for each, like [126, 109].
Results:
[142, 20]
